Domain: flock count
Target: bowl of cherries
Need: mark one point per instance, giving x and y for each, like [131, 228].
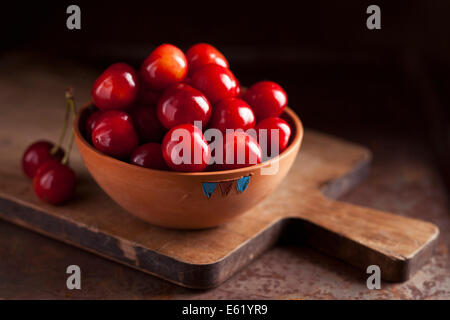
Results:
[180, 144]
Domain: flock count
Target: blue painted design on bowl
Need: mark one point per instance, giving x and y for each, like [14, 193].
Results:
[242, 184]
[209, 188]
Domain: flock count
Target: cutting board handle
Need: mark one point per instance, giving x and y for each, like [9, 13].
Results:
[363, 236]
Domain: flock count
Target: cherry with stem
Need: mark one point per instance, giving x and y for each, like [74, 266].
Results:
[55, 181]
[41, 151]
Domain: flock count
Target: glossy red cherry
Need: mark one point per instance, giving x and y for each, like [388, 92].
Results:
[149, 155]
[116, 88]
[232, 113]
[54, 182]
[147, 124]
[182, 104]
[114, 134]
[216, 82]
[238, 90]
[37, 154]
[284, 134]
[185, 149]
[91, 122]
[267, 99]
[202, 54]
[147, 95]
[240, 150]
[165, 66]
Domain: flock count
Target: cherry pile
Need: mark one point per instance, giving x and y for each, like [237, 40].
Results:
[138, 113]
[46, 163]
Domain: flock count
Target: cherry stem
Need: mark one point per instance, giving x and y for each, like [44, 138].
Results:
[56, 147]
[71, 107]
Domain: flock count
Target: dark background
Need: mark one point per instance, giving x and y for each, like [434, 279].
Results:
[364, 85]
[386, 89]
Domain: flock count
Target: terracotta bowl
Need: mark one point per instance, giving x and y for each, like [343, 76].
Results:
[187, 200]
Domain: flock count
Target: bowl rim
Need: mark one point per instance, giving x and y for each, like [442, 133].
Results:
[291, 148]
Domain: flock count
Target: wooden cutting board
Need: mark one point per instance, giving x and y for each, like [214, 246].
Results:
[299, 209]
[32, 106]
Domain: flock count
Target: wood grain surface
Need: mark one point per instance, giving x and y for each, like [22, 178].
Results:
[361, 236]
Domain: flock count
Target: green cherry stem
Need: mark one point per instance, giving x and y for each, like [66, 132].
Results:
[72, 108]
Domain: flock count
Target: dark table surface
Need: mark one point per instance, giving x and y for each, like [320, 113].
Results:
[403, 179]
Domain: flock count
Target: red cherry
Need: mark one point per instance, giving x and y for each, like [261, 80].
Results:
[186, 138]
[147, 124]
[149, 156]
[37, 154]
[216, 82]
[267, 99]
[116, 88]
[232, 113]
[147, 95]
[54, 182]
[182, 104]
[114, 134]
[238, 90]
[202, 54]
[91, 122]
[284, 133]
[246, 152]
[165, 66]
